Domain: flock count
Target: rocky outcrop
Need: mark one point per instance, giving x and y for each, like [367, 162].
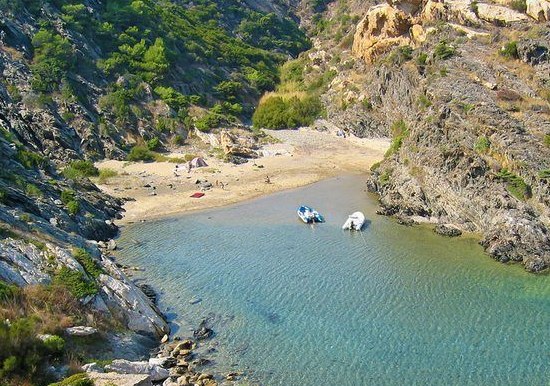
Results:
[154, 372]
[23, 264]
[108, 379]
[538, 9]
[383, 28]
[499, 14]
[238, 146]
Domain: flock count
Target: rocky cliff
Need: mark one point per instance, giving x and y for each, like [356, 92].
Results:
[86, 80]
[464, 90]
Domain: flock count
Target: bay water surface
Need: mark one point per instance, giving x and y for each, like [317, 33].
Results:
[296, 304]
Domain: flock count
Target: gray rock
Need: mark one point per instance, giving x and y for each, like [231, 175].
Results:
[122, 366]
[81, 331]
[92, 368]
[108, 379]
[111, 245]
[447, 230]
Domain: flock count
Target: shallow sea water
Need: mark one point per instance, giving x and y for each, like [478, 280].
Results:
[295, 304]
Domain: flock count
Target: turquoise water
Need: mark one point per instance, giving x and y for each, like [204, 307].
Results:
[295, 304]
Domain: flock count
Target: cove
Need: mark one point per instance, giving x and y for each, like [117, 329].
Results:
[294, 304]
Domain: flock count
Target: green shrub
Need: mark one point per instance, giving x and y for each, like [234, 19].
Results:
[30, 159]
[515, 184]
[53, 58]
[209, 121]
[67, 195]
[277, 113]
[375, 166]
[385, 178]
[546, 140]
[519, 5]
[75, 282]
[88, 263]
[474, 7]
[105, 174]
[141, 153]
[7, 291]
[172, 98]
[482, 144]
[80, 169]
[23, 355]
[54, 344]
[443, 50]
[544, 174]
[73, 207]
[3, 197]
[153, 143]
[80, 379]
[422, 59]
[25, 217]
[399, 131]
[509, 50]
[33, 190]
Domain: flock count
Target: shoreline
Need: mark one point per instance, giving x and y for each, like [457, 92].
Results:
[301, 157]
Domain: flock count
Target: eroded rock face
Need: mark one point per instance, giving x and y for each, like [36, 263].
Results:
[539, 9]
[499, 14]
[25, 264]
[154, 372]
[383, 28]
[237, 146]
[108, 379]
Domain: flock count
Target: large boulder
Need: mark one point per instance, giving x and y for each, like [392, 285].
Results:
[498, 14]
[108, 379]
[233, 146]
[122, 366]
[383, 28]
[539, 9]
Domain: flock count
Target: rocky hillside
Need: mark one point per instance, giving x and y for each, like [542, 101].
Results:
[464, 90]
[86, 80]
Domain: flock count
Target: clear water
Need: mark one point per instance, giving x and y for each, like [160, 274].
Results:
[311, 305]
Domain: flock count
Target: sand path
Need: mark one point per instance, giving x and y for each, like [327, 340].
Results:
[302, 157]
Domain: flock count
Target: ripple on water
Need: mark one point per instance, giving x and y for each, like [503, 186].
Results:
[301, 304]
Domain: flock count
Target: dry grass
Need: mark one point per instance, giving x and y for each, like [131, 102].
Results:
[53, 307]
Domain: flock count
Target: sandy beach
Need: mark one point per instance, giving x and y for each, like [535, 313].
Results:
[300, 157]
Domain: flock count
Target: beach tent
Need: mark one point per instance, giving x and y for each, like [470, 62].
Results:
[196, 162]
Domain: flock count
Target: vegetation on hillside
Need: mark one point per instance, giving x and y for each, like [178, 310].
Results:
[220, 56]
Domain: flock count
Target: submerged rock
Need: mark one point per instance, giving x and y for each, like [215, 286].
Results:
[447, 230]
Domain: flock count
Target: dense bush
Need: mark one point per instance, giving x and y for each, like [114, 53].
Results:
[80, 169]
[141, 153]
[80, 379]
[30, 159]
[519, 5]
[67, 195]
[53, 58]
[546, 140]
[75, 282]
[88, 263]
[510, 50]
[105, 174]
[73, 207]
[443, 50]
[278, 113]
[153, 143]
